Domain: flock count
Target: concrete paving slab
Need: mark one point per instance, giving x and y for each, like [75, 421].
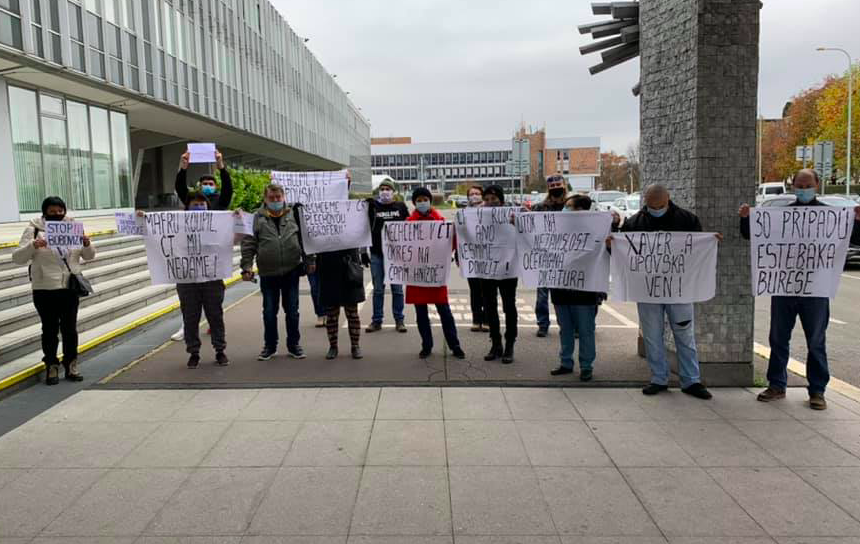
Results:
[484, 443]
[402, 501]
[213, 502]
[613, 540]
[816, 540]
[609, 508]
[717, 444]
[673, 406]
[253, 444]
[687, 502]
[772, 495]
[844, 433]
[407, 443]
[507, 540]
[81, 540]
[640, 444]
[294, 540]
[796, 404]
[412, 403]
[539, 404]
[330, 443]
[740, 405]
[352, 403]
[400, 540]
[280, 404]
[176, 444]
[308, 501]
[722, 540]
[797, 445]
[188, 540]
[215, 405]
[475, 403]
[606, 405]
[837, 484]
[498, 501]
[149, 406]
[561, 444]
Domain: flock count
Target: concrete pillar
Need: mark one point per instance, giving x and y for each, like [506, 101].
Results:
[698, 136]
[8, 187]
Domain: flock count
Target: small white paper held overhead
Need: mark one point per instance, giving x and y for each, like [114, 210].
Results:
[564, 250]
[664, 267]
[417, 252]
[128, 223]
[336, 225]
[487, 243]
[189, 247]
[307, 187]
[64, 236]
[799, 251]
[243, 223]
[201, 153]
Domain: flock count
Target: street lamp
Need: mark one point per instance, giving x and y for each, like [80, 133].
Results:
[850, 81]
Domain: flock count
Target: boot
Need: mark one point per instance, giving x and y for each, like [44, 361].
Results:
[508, 355]
[72, 373]
[495, 352]
[52, 374]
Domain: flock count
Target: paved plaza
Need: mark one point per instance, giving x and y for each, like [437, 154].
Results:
[432, 465]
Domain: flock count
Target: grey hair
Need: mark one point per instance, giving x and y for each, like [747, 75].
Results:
[659, 187]
[274, 188]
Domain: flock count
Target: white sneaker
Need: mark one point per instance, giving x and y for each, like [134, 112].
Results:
[179, 335]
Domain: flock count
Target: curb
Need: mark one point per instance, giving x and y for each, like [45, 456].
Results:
[15, 379]
[7, 245]
[796, 367]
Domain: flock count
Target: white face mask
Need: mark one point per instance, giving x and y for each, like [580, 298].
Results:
[386, 196]
[476, 200]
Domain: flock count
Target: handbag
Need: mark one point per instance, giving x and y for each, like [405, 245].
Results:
[354, 271]
[78, 284]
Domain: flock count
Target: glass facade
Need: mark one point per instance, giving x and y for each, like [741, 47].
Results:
[77, 151]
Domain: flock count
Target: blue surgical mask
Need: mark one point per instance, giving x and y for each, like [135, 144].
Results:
[423, 207]
[275, 206]
[208, 190]
[198, 207]
[805, 196]
[657, 213]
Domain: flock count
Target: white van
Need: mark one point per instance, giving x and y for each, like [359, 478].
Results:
[767, 190]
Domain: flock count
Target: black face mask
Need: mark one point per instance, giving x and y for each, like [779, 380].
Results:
[54, 217]
[556, 193]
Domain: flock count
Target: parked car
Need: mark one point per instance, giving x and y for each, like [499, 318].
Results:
[830, 200]
[603, 200]
[458, 201]
[768, 190]
[627, 206]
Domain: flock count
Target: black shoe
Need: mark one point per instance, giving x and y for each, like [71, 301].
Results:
[71, 371]
[586, 375]
[542, 333]
[296, 352]
[356, 353]
[221, 359]
[508, 355]
[494, 353]
[332, 354]
[52, 374]
[560, 371]
[698, 390]
[267, 354]
[193, 360]
[373, 327]
[424, 354]
[653, 389]
[400, 327]
[458, 352]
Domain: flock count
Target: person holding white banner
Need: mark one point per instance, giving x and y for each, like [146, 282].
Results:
[380, 210]
[421, 297]
[56, 303]
[814, 311]
[475, 194]
[556, 195]
[660, 214]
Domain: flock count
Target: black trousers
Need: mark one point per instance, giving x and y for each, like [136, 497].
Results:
[196, 298]
[476, 300]
[58, 310]
[508, 290]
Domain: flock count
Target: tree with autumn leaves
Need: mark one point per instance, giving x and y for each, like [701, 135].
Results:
[816, 114]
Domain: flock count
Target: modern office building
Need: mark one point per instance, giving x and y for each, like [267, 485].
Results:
[443, 166]
[98, 99]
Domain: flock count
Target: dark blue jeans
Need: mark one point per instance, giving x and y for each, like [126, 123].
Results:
[314, 282]
[449, 328]
[542, 308]
[814, 313]
[279, 290]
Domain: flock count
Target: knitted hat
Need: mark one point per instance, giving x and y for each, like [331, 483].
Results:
[421, 191]
[388, 184]
[495, 190]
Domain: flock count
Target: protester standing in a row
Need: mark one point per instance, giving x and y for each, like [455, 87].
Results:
[382, 209]
[208, 187]
[438, 296]
[475, 194]
[56, 304]
[814, 313]
[494, 196]
[277, 247]
[554, 202]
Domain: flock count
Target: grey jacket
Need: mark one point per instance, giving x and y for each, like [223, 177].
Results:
[278, 250]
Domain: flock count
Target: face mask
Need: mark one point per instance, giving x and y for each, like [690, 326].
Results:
[556, 193]
[423, 207]
[208, 190]
[569, 209]
[386, 196]
[475, 200]
[805, 196]
[275, 206]
[54, 217]
[198, 207]
[658, 213]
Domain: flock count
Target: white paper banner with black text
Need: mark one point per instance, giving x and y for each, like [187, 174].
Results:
[487, 243]
[336, 225]
[664, 267]
[799, 251]
[417, 252]
[64, 236]
[189, 247]
[307, 187]
[129, 223]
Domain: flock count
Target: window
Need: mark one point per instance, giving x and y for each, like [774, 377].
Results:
[76, 32]
[80, 166]
[133, 61]
[115, 51]
[26, 149]
[100, 136]
[10, 23]
[96, 39]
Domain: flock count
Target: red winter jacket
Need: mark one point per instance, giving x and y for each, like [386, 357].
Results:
[416, 294]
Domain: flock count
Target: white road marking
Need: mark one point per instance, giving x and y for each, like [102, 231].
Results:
[837, 322]
[850, 276]
[617, 315]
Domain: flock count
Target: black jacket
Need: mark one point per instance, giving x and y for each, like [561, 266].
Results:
[335, 288]
[855, 233]
[218, 201]
[379, 214]
[675, 219]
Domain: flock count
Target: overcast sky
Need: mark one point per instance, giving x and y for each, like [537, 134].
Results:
[451, 70]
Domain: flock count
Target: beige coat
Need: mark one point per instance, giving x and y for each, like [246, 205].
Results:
[47, 270]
